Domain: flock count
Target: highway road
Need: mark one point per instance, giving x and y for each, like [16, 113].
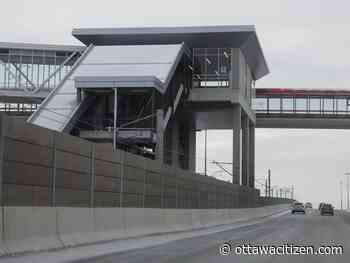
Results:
[310, 229]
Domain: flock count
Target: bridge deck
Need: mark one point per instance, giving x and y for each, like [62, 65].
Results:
[285, 108]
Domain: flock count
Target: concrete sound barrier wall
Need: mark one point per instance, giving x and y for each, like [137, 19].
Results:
[144, 221]
[3, 249]
[27, 229]
[178, 219]
[76, 225]
[110, 223]
[30, 229]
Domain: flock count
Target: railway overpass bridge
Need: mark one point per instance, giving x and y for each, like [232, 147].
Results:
[307, 109]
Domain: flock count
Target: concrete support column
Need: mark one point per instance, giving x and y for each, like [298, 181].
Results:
[245, 150]
[175, 144]
[252, 155]
[192, 146]
[92, 175]
[53, 169]
[3, 130]
[160, 137]
[236, 158]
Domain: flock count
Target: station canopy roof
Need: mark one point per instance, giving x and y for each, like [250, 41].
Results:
[243, 37]
[129, 66]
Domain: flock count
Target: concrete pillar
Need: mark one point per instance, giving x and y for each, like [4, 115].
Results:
[92, 175]
[53, 169]
[235, 70]
[175, 144]
[99, 111]
[245, 150]
[192, 146]
[160, 137]
[236, 158]
[252, 155]
[3, 130]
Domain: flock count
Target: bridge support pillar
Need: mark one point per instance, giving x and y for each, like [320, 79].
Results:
[245, 150]
[175, 143]
[252, 155]
[192, 146]
[160, 137]
[236, 158]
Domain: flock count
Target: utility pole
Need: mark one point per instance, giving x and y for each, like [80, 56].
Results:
[205, 152]
[292, 192]
[115, 130]
[341, 195]
[269, 182]
[347, 192]
[265, 187]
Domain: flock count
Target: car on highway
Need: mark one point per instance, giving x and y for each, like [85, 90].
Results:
[308, 205]
[327, 209]
[298, 207]
[320, 206]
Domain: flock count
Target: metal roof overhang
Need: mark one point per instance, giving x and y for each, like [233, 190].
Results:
[29, 46]
[92, 82]
[243, 37]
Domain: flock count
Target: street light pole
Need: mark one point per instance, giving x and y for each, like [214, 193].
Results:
[205, 152]
[115, 135]
[269, 182]
[347, 192]
[341, 195]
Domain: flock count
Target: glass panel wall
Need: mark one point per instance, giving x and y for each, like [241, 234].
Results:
[315, 105]
[260, 104]
[300, 105]
[328, 106]
[211, 67]
[306, 105]
[287, 105]
[30, 69]
[274, 104]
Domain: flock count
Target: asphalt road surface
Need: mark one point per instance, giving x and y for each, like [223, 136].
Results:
[310, 229]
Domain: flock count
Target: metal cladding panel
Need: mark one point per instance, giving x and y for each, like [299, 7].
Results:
[60, 105]
[148, 60]
[103, 70]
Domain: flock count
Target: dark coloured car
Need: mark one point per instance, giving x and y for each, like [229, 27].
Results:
[320, 206]
[298, 208]
[327, 209]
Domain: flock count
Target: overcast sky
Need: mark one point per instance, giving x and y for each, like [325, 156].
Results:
[306, 45]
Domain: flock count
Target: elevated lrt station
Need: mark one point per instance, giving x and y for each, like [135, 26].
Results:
[148, 90]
